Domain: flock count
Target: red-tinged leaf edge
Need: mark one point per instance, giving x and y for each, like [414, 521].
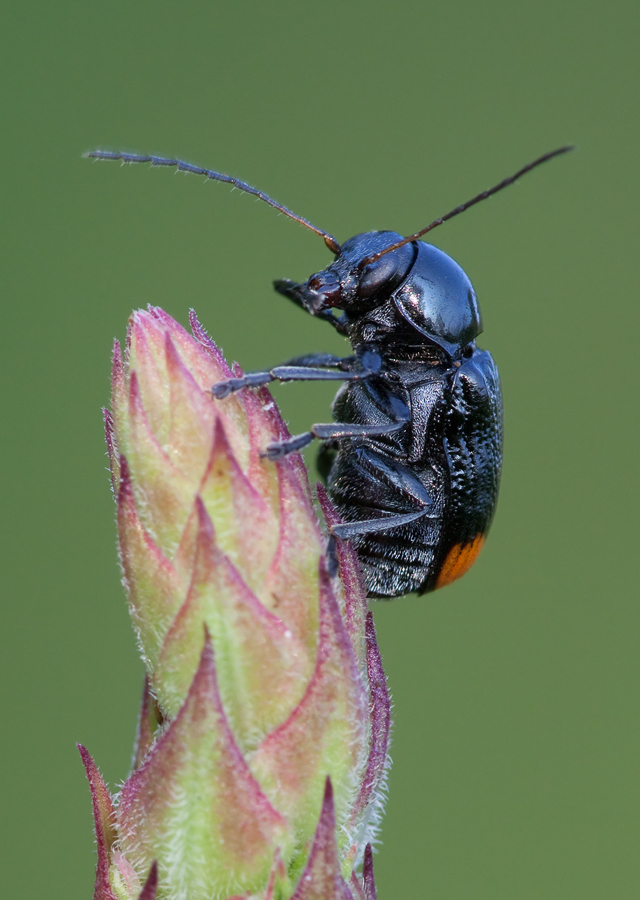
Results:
[112, 450]
[104, 818]
[250, 831]
[380, 722]
[350, 574]
[208, 343]
[149, 719]
[117, 362]
[157, 312]
[322, 878]
[148, 892]
[277, 871]
[367, 874]
[356, 888]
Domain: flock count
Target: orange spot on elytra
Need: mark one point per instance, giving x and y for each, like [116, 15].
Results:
[459, 560]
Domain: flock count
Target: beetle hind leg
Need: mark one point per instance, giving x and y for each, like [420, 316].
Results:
[387, 486]
[347, 530]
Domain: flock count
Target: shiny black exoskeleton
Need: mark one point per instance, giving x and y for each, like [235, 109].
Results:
[414, 465]
[412, 461]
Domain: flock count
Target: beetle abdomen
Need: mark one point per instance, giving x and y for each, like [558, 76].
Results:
[472, 440]
[401, 561]
[457, 420]
[366, 483]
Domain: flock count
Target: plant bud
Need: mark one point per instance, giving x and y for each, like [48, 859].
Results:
[262, 742]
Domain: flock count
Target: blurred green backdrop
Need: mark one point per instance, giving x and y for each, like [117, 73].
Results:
[516, 750]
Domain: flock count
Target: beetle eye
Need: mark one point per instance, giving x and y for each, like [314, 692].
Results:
[383, 276]
[375, 276]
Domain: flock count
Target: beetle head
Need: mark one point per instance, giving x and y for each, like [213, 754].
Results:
[348, 285]
[428, 288]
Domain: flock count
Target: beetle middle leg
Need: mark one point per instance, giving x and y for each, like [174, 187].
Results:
[334, 431]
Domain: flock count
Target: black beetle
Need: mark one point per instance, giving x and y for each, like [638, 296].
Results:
[412, 461]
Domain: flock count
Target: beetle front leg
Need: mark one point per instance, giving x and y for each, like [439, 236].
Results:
[315, 367]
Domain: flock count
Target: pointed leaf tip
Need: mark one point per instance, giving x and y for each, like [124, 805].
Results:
[380, 723]
[148, 892]
[158, 313]
[325, 733]
[103, 817]
[153, 586]
[367, 874]
[205, 525]
[208, 343]
[148, 722]
[125, 476]
[116, 356]
[322, 878]
[247, 527]
[112, 449]
[262, 668]
[327, 814]
[355, 600]
[102, 806]
[380, 702]
[118, 379]
[222, 835]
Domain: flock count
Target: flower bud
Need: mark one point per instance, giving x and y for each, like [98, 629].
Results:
[262, 742]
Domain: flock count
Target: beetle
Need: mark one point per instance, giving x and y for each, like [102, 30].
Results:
[412, 461]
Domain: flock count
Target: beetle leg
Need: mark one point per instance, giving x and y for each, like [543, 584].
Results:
[294, 291]
[347, 530]
[334, 431]
[278, 449]
[337, 430]
[322, 360]
[331, 556]
[407, 492]
[316, 367]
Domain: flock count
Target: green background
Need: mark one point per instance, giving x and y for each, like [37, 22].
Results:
[516, 748]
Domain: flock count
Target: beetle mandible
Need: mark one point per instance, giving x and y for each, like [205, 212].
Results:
[412, 461]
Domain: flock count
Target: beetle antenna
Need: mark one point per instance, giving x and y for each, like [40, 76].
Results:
[329, 240]
[460, 209]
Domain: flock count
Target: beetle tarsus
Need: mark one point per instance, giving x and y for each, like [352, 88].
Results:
[254, 379]
[331, 556]
[278, 449]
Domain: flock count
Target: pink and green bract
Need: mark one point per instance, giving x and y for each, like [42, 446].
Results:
[261, 755]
